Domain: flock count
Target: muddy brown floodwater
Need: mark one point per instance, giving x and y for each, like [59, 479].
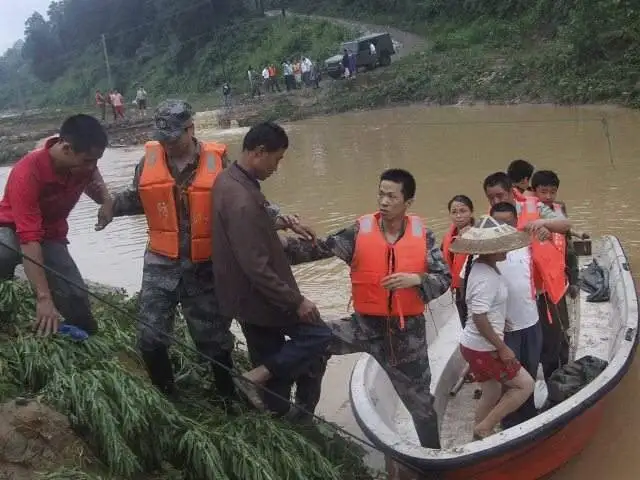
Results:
[329, 177]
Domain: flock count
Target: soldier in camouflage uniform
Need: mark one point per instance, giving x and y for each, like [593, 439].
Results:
[402, 352]
[167, 282]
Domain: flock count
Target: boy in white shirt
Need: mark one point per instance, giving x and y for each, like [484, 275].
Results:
[523, 333]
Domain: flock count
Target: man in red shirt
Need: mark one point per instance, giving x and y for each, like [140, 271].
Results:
[42, 189]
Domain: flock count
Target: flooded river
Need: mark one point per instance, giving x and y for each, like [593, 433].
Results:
[329, 177]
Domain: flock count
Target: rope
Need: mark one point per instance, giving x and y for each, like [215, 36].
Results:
[231, 371]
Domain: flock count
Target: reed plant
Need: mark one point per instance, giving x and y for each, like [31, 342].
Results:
[135, 431]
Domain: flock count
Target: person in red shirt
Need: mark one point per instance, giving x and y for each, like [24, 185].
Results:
[42, 189]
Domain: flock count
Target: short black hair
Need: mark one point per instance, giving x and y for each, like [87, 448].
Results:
[84, 133]
[498, 179]
[504, 207]
[461, 199]
[519, 169]
[404, 178]
[269, 135]
[545, 178]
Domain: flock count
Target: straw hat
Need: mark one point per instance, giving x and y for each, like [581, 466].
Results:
[489, 236]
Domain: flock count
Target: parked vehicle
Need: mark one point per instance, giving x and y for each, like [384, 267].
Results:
[361, 47]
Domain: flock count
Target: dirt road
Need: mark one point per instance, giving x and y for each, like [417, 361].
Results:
[409, 42]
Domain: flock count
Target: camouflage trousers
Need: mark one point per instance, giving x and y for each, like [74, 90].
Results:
[159, 299]
[68, 289]
[403, 356]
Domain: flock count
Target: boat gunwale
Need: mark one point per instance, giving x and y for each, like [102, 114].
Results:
[435, 462]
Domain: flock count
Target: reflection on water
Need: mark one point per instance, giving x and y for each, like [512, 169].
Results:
[330, 174]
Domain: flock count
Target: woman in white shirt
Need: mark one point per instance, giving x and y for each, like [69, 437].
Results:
[491, 362]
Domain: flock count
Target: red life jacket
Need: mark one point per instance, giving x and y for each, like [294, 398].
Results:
[454, 260]
[548, 260]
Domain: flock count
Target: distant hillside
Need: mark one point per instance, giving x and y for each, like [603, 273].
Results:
[169, 46]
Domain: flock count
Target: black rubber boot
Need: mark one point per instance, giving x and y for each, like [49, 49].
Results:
[223, 380]
[160, 369]
[427, 431]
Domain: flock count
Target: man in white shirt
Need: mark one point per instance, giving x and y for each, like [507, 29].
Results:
[372, 48]
[523, 331]
[306, 70]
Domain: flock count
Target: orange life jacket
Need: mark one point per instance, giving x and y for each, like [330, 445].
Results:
[454, 260]
[158, 189]
[518, 195]
[560, 239]
[374, 258]
[272, 71]
[548, 260]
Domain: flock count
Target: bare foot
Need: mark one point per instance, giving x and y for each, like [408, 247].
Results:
[249, 391]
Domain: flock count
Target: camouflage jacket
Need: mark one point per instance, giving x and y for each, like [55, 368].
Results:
[342, 245]
[169, 272]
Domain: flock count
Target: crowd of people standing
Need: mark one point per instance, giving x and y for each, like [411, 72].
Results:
[114, 102]
[293, 74]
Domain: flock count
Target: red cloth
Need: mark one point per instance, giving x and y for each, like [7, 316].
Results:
[488, 366]
[37, 201]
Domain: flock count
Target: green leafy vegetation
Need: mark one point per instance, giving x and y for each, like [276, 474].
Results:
[169, 46]
[565, 51]
[137, 433]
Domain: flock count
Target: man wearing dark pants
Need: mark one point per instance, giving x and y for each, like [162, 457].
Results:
[254, 278]
[524, 330]
[396, 269]
[172, 187]
[42, 189]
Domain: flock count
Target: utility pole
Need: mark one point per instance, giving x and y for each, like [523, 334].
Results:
[106, 60]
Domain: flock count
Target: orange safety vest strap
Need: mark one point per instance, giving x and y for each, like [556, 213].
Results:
[156, 190]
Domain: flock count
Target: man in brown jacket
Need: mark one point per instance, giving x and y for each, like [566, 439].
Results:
[254, 278]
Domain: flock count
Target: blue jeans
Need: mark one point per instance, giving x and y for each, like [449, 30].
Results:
[527, 346]
[285, 359]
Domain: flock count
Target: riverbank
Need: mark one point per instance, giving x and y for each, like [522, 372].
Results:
[484, 60]
[83, 409]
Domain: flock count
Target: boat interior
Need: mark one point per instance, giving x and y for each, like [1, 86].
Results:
[604, 330]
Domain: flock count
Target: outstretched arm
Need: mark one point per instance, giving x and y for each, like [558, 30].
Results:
[340, 244]
[128, 202]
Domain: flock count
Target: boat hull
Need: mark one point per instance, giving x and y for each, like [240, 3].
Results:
[530, 450]
[528, 462]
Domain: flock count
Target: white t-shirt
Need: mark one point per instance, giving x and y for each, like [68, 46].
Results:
[265, 73]
[522, 311]
[486, 293]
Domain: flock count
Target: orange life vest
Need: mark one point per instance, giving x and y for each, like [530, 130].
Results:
[518, 195]
[374, 258]
[454, 260]
[158, 189]
[548, 260]
[559, 239]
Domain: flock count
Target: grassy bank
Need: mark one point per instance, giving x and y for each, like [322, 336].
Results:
[497, 52]
[125, 428]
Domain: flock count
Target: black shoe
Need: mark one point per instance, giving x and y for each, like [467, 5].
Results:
[428, 434]
[160, 370]
[222, 378]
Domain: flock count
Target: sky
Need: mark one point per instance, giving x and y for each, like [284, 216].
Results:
[13, 14]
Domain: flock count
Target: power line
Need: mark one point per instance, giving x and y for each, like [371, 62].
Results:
[192, 349]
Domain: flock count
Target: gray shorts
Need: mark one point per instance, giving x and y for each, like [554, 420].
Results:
[68, 289]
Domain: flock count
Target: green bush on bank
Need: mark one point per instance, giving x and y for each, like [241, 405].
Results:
[249, 42]
[134, 430]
